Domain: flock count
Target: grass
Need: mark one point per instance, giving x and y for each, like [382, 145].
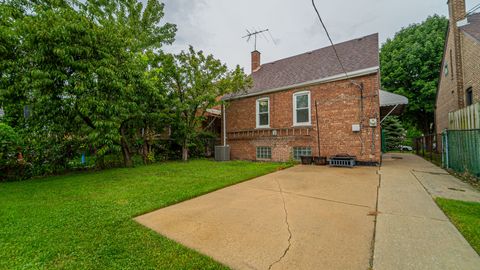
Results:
[84, 220]
[466, 217]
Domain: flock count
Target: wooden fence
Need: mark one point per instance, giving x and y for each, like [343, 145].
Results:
[467, 118]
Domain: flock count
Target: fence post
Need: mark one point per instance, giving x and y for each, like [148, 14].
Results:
[443, 149]
[446, 148]
[416, 145]
[431, 147]
[423, 146]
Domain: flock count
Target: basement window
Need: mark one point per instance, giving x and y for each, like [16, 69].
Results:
[301, 109]
[264, 152]
[299, 152]
[263, 113]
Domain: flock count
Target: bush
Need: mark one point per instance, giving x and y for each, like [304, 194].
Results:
[10, 147]
[394, 132]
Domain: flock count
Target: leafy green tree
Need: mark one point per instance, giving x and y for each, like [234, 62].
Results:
[81, 67]
[10, 147]
[195, 82]
[394, 132]
[410, 66]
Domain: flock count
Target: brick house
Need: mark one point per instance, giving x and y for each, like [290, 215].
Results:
[276, 119]
[459, 84]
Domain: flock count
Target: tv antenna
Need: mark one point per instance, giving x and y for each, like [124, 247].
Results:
[255, 33]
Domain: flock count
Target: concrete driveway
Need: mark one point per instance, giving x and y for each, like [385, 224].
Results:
[412, 233]
[304, 217]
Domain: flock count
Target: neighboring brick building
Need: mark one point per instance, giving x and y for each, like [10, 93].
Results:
[276, 118]
[459, 84]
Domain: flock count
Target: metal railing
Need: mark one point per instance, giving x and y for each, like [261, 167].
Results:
[458, 150]
[428, 147]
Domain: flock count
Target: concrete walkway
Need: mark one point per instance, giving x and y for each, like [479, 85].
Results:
[411, 231]
[305, 217]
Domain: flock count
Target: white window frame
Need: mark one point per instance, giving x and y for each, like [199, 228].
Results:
[301, 149]
[257, 112]
[263, 158]
[309, 123]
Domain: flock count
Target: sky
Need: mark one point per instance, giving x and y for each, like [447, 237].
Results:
[217, 26]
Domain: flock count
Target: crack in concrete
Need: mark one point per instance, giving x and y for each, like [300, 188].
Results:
[372, 244]
[412, 216]
[434, 173]
[312, 197]
[288, 228]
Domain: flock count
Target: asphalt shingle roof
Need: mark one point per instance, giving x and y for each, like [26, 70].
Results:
[357, 54]
[473, 26]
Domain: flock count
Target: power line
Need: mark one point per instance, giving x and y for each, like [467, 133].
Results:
[329, 38]
[477, 6]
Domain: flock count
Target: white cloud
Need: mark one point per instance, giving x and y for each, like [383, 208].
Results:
[216, 26]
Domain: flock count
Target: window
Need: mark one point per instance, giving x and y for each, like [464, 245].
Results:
[263, 113]
[264, 152]
[469, 97]
[301, 108]
[301, 152]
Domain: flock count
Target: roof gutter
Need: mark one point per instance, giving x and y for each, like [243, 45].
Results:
[338, 77]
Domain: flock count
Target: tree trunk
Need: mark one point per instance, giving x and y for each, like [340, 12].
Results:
[145, 152]
[185, 151]
[127, 160]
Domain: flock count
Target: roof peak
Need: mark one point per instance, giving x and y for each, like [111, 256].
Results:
[322, 48]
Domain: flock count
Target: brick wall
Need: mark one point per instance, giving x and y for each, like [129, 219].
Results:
[471, 66]
[339, 108]
[447, 96]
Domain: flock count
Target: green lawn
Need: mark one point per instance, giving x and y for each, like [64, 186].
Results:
[84, 221]
[466, 217]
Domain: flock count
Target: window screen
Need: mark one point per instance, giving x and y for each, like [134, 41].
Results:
[302, 108]
[263, 113]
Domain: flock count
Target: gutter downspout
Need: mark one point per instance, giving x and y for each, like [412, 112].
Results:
[318, 128]
[224, 125]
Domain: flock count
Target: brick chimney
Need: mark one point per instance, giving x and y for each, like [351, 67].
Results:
[457, 10]
[457, 13]
[255, 60]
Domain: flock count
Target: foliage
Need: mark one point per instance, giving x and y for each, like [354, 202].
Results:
[12, 165]
[410, 66]
[394, 132]
[10, 147]
[81, 67]
[91, 77]
[466, 217]
[85, 220]
[195, 82]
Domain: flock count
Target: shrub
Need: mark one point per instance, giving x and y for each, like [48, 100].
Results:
[10, 147]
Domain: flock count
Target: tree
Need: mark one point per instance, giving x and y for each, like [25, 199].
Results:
[81, 67]
[10, 148]
[195, 83]
[410, 66]
[394, 132]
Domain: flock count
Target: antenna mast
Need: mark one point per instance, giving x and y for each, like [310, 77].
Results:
[254, 34]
